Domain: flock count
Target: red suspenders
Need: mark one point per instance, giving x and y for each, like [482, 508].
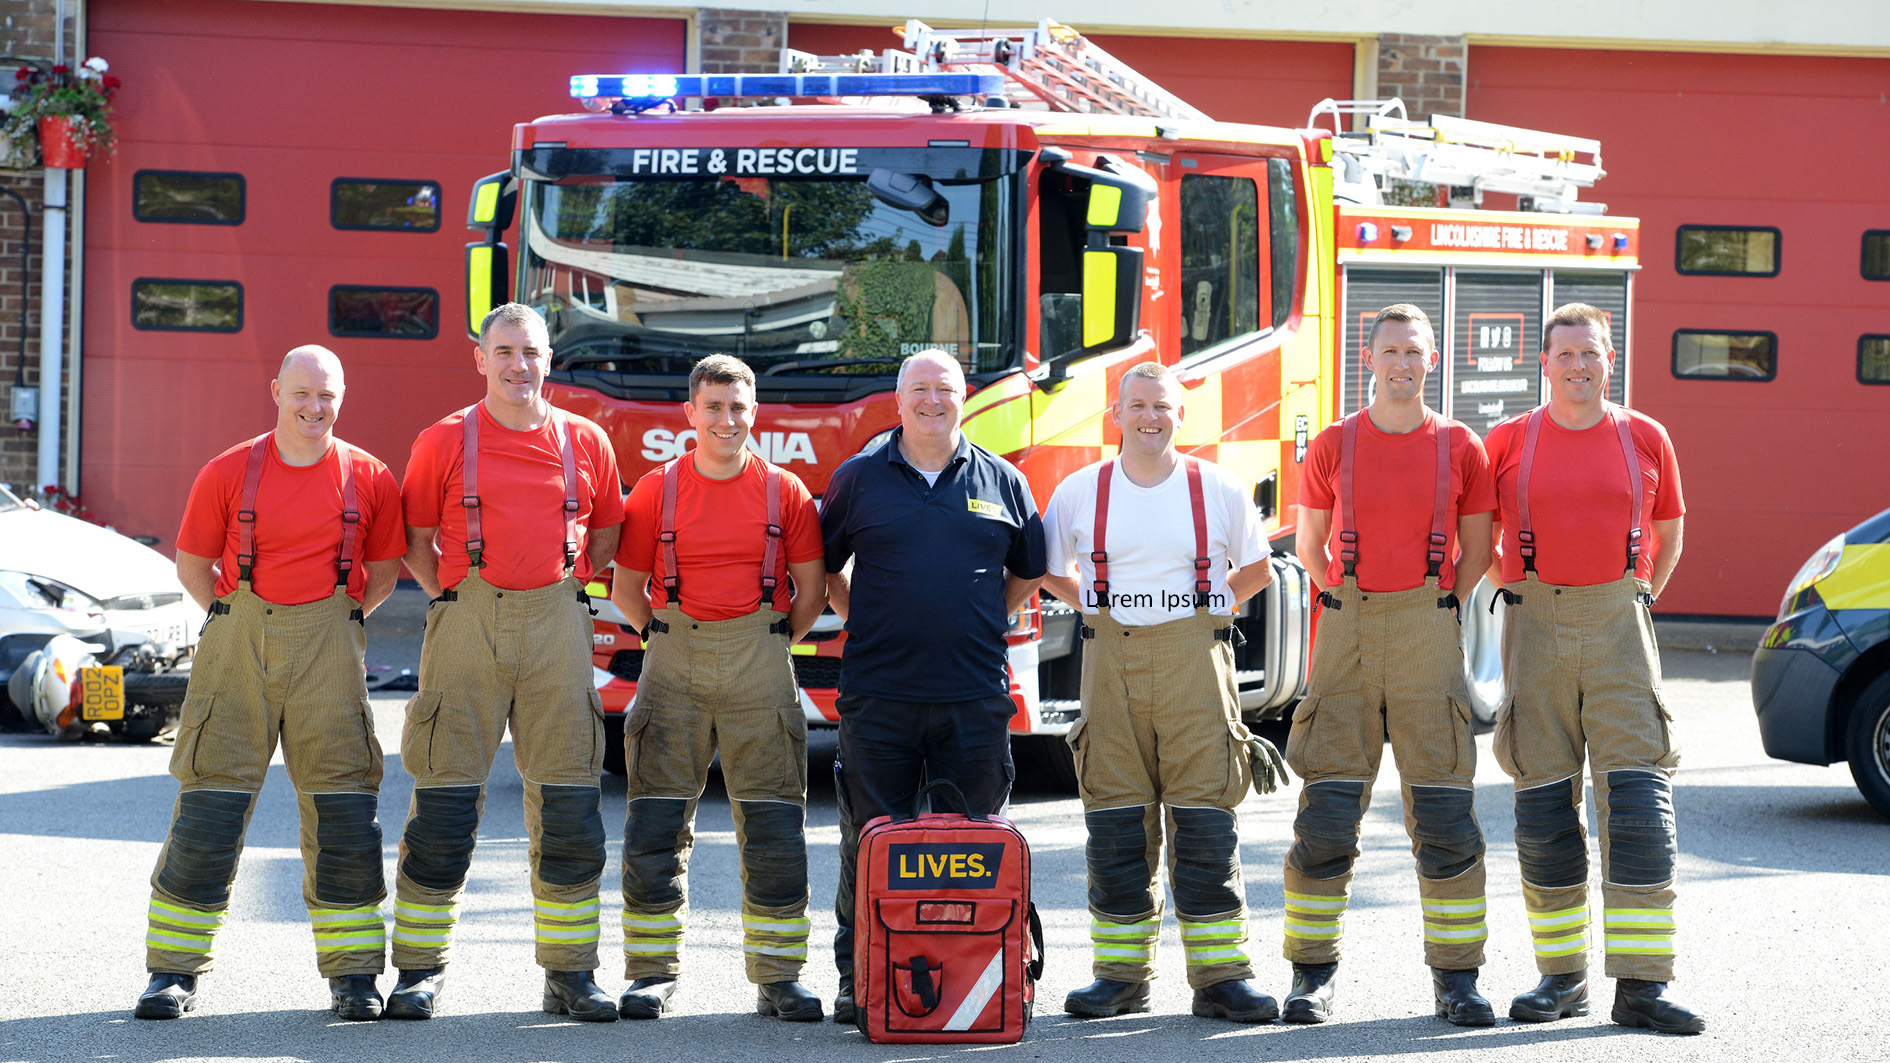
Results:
[1099, 555]
[246, 511]
[1435, 554]
[1525, 533]
[469, 451]
[666, 533]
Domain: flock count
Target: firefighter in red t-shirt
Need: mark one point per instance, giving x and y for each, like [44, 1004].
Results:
[1412, 489]
[511, 505]
[289, 540]
[740, 572]
[1591, 511]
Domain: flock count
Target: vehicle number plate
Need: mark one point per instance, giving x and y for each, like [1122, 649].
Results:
[102, 692]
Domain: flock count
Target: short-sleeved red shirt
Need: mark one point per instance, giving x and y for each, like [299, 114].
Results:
[721, 535]
[521, 496]
[1578, 497]
[298, 522]
[1394, 480]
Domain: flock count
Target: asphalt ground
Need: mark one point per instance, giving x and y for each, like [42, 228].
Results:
[1784, 915]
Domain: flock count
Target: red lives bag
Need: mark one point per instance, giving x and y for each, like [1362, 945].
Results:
[947, 947]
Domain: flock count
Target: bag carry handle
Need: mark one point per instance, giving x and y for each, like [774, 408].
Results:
[943, 786]
[922, 973]
[1035, 968]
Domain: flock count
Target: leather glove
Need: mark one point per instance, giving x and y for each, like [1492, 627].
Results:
[1269, 769]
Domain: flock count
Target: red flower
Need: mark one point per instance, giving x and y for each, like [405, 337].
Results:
[61, 68]
[21, 74]
[111, 83]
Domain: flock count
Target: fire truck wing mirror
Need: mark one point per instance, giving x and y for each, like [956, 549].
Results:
[910, 191]
[1112, 296]
[487, 281]
[1119, 194]
[494, 201]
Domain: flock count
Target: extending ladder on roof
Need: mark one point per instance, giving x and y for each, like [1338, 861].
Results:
[1051, 66]
[1456, 152]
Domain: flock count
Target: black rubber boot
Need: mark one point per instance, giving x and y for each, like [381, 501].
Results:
[577, 994]
[1557, 996]
[1645, 1004]
[790, 1001]
[647, 998]
[353, 997]
[168, 996]
[1458, 1001]
[843, 1010]
[415, 994]
[1236, 1000]
[1310, 1000]
[1106, 997]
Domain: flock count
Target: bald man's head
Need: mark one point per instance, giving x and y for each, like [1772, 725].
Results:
[307, 391]
[314, 355]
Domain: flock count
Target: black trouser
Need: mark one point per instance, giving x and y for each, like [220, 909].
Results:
[888, 749]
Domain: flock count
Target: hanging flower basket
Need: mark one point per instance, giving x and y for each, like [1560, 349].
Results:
[62, 114]
[60, 142]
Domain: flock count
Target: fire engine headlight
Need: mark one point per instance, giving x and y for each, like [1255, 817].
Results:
[1821, 564]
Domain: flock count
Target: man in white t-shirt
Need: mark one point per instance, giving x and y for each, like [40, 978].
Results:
[1157, 550]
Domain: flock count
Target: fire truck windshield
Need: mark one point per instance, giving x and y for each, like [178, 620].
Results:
[798, 276]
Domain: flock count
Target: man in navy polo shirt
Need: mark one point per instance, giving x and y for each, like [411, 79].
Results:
[945, 544]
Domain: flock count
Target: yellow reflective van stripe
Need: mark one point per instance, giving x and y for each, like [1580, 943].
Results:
[1099, 297]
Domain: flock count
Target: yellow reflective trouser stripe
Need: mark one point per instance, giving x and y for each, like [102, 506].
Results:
[348, 929]
[1211, 943]
[1562, 946]
[1476, 906]
[1460, 932]
[573, 922]
[797, 951]
[424, 925]
[422, 938]
[426, 913]
[653, 935]
[1558, 920]
[175, 942]
[1637, 945]
[759, 925]
[1104, 930]
[1298, 928]
[1308, 904]
[1655, 918]
[638, 921]
[665, 947]
[1123, 952]
[189, 917]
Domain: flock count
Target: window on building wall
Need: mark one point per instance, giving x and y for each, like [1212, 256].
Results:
[186, 305]
[397, 313]
[1283, 219]
[1726, 251]
[1873, 359]
[390, 206]
[189, 198]
[1220, 260]
[1876, 264]
[1702, 355]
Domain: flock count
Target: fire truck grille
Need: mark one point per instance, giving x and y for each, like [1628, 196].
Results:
[817, 673]
[627, 664]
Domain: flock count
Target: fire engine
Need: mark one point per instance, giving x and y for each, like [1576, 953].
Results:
[1023, 200]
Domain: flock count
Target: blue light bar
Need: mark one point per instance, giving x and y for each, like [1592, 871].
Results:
[669, 86]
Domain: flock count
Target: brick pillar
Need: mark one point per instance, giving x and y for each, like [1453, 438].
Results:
[26, 31]
[740, 42]
[1428, 73]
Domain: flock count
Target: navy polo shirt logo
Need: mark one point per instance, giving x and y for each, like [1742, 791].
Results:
[993, 510]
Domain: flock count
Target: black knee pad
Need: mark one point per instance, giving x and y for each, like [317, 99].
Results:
[1643, 845]
[774, 853]
[1207, 862]
[200, 860]
[1444, 826]
[1549, 843]
[1117, 854]
[1325, 833]
[437, 846]
[348, 850]
[652, 867]
[571, 835]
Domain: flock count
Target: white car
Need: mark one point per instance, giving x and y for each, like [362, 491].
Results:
[63, 576]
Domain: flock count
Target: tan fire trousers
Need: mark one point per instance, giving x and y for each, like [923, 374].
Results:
[265, 672]
[1386, 664]
[494, 659]
[1161, 733]
[724, 685]
[1584, 678]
